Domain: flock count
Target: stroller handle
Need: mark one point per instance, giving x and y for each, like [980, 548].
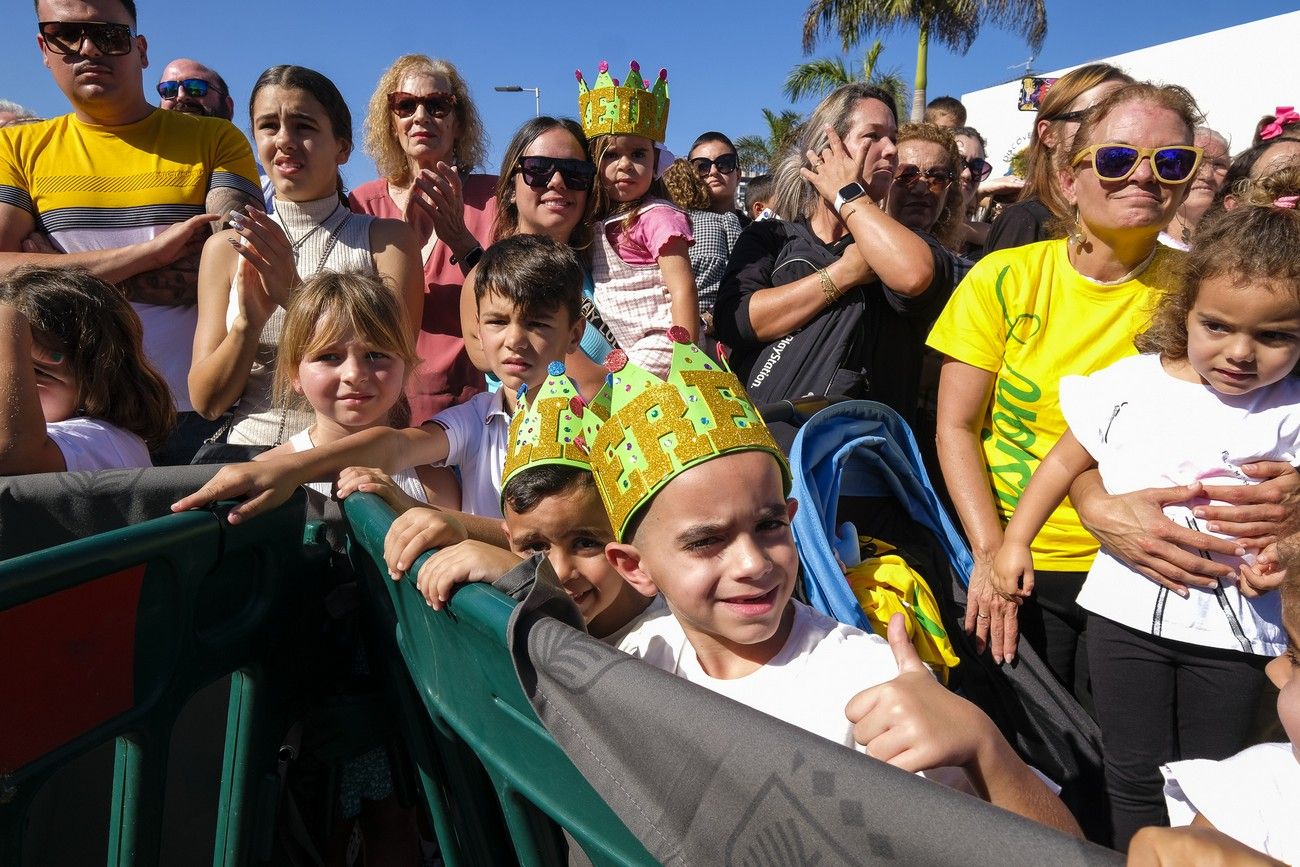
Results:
[799, 410]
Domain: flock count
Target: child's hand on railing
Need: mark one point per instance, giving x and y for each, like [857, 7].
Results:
[460, 564]
[418, 530]
[370, 480]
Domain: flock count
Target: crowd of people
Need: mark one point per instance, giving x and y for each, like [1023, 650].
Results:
[1097, 361]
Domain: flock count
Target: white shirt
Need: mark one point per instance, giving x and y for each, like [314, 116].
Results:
[620, 637]
[407, 479]
[93, 444]
[807, 684]
[1147, 429]
[1253, 797]
[478, 432]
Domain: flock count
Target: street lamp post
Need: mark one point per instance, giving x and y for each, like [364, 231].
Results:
[514, 88]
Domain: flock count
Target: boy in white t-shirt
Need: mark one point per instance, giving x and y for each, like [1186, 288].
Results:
[695, 488]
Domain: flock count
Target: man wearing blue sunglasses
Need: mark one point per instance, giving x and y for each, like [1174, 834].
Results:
[189, 86]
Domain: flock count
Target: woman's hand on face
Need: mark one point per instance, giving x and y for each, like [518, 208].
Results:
[834, 168]
[1256, 515]
[991, 616]
[266, 247]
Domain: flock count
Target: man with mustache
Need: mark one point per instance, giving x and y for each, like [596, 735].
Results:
[120, 188]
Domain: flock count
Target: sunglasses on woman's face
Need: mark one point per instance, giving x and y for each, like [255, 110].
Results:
[65, 37]
[1171, 164]
[726, 164]
[980, 169]
[936, 179]
[436, 104]
[538, 171]
[195, 88]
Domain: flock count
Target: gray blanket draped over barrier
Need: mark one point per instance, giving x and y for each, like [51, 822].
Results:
[700, 779]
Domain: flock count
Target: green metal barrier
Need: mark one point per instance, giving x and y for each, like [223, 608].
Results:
[461, 667]
[105, 640]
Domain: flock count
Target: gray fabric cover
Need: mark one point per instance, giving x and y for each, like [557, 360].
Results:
[46, 509]
[700, 779]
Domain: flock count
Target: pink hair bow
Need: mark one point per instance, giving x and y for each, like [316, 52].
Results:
[1282, 118]
[1286, 202]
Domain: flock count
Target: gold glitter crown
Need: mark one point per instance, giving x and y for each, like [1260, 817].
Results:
[546, 429]
[644, 431]
[632, 108]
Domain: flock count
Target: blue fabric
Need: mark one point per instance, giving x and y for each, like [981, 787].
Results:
[865, 449]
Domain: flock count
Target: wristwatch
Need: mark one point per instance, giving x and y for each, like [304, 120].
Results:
[848, 193]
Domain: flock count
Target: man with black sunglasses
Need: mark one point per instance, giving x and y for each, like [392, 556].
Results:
[120, 188]
[189, 86]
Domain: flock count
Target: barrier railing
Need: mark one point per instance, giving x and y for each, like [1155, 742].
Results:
[105, 641]
[460, 664]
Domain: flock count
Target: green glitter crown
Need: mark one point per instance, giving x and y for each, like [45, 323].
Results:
[644, 431]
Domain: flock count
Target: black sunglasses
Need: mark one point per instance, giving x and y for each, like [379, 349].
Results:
[936, 179]
[65, 37]
[195, 88]
[538, 171]
[980, 168]
[726, 164]
[436, 104]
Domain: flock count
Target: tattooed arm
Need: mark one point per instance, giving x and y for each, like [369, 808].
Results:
[177, 282]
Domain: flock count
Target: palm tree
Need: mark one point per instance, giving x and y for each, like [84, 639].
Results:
[954, 23]
[820, 76]
[758, 154]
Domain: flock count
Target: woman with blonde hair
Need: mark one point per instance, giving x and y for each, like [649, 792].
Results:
[1041, 201]
[1027, 316]
[427, 140]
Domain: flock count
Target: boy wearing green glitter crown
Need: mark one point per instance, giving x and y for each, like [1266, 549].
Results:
[696, 491]
[551, 508]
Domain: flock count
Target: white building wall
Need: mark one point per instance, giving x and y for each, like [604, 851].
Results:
[1237, 75]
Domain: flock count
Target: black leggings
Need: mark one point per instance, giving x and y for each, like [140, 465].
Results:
[1159, 701]
[1053, 624]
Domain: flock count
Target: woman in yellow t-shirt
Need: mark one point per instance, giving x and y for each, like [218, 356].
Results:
[1023, 318]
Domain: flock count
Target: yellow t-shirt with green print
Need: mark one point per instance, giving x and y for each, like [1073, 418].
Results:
[1026, 316]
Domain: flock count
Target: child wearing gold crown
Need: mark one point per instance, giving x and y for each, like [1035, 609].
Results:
[551, 509]
[696, 491]
[640, 262]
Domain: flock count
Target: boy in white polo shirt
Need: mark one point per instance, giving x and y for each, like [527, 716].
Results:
[529, 290]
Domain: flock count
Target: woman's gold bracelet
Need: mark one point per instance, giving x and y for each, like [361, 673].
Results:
[829, 289]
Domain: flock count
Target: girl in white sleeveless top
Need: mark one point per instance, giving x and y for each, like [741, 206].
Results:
[345, 353]
[302, 131]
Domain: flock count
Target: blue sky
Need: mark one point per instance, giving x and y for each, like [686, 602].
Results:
[723, 67]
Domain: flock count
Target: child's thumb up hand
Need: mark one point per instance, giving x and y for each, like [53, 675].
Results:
[904, 651]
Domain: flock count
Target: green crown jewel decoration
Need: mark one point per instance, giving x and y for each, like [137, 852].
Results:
[547, 429]
[633, 108]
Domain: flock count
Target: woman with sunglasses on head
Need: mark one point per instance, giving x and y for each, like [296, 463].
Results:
[837, 297]
[544, 188]
[1041, 207]
[1023, 318]
[426, 139]
[302, 134]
